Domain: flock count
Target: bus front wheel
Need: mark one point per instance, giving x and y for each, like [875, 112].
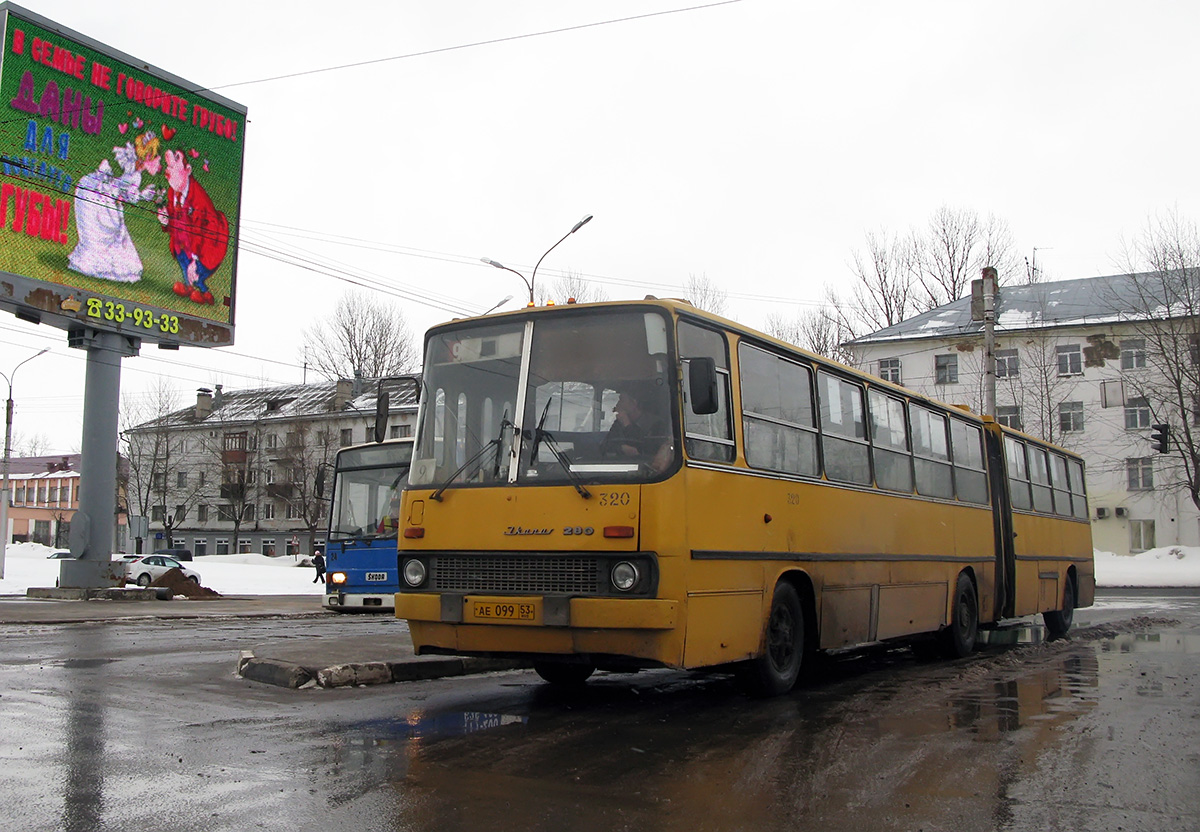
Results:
[775, 672]
[1059, 621]
[958, 640]
[564, 674]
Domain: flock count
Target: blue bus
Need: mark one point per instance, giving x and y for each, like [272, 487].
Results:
[360, 552]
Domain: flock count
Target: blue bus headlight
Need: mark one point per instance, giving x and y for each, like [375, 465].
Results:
[625, 576]
[337, 577]
[414, 573]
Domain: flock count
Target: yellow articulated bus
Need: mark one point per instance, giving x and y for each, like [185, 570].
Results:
[642, 484]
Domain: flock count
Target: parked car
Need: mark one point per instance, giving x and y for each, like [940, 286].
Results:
[144, 570]
[60, 553]
[177, 552]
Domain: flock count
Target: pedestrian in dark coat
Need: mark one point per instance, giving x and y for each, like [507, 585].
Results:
[319, 563]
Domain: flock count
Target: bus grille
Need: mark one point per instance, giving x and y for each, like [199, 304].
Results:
[517, 573]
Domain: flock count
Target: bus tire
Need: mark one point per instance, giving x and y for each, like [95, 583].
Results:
[1059, 622]
[775, 672]
[958, 640]
[564, 674]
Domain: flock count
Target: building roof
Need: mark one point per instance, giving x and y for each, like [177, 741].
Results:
[292, 401]
[55, 464]
[1082, 302]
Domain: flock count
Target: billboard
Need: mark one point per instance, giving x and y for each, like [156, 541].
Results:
[120, 190]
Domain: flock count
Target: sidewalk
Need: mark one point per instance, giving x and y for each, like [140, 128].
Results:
[288, 663]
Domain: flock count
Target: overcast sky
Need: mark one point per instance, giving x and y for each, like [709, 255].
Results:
[752, 142]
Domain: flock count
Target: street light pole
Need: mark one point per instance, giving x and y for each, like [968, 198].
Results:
[529, 284]
[5, 498]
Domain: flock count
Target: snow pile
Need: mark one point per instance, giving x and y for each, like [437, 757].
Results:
[1168, 566]
[27, 565]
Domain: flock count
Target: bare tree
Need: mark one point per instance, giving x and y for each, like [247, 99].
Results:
[815, 330]
[158, 486]
[883, 292]
[572, 285]
[1164, 267]
[307, 449]
[704, 294]
[37, 444]
[952, 250]
[363, 336]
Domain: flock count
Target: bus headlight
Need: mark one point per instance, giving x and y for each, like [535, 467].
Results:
[414, 573]
[337, 577]
[625, 576]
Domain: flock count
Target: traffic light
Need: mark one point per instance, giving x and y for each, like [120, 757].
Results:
[1160, 438]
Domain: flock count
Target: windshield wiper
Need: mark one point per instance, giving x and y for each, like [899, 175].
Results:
[573, 476]
[476, 457]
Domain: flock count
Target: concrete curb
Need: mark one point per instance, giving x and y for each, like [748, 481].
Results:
[355, 674]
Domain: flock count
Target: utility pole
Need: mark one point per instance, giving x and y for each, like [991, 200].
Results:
[983, 308]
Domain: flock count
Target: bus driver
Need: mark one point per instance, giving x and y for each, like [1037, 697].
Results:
[637, 432]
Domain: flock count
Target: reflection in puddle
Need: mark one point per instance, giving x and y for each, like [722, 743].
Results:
[1157, 642]
[872, 751]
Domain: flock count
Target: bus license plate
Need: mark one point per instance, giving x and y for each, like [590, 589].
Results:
[376, 576]
[504, 611]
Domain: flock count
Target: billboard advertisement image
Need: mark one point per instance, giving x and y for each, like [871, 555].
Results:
[120, 190]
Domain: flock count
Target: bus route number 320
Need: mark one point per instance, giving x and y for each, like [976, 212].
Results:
[504, 611]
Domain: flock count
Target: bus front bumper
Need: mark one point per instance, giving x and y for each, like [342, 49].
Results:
[357, 601]
[537, 611]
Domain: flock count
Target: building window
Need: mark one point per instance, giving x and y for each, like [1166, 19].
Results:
[54, 494]
[244, 546]
[945, 369]
[268, 547]
[248, 511]
[401, 431]
[268, 511]
[1133, 354]
[1070, 416]
[889, 369]
[158, 480]
[269, 476]
[1140, 473]
[1008, 364]
[181, 479]
[180, 513]
[1141, 535]
[1070, 360]
[19, 495]
[1137, 413]
[157, 513]
[1009, 416]
[293, 511]
[200, 479]
[347, 437]
[272, 440]
[222, 547]
[251, 477]
[225, 513]
[200, 546]
[202, 513]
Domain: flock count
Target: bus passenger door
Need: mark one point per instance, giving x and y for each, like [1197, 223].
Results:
[1006, 556]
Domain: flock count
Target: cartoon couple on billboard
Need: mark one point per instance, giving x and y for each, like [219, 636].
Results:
[198, 233]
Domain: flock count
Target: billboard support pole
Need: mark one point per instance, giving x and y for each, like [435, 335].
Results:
[93, 524]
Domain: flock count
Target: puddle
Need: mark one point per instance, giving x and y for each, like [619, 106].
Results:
[1164, 642]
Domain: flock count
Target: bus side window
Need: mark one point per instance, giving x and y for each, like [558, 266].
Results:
[707, 436]
[1018, 473]
[778, 425]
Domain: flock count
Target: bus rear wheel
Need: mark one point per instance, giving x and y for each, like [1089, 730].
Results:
[564, 674]
[1059, 622]
[775, 672]
[958, 640]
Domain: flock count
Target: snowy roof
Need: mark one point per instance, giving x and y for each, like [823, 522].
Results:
[293, 401]
[56, 464]
[1082, 302]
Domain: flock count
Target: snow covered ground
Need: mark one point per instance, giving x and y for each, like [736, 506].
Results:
[27, 565]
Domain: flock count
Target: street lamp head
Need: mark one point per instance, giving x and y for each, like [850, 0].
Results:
[581, 223]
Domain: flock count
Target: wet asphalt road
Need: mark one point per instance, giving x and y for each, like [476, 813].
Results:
[143, 725]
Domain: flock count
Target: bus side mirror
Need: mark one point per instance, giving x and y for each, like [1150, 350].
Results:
[321, 481]
[702, 385]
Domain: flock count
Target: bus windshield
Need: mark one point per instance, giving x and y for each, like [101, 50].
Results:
[366, 490]
[571, 398]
